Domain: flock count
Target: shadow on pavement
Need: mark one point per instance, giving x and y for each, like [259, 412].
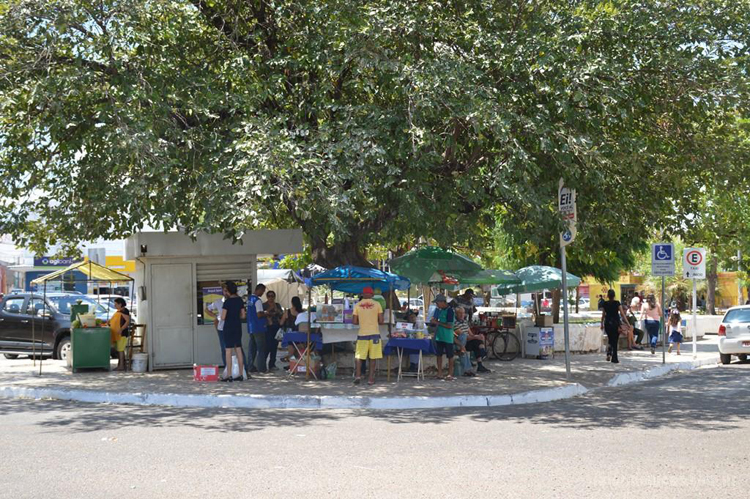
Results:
[706, 400]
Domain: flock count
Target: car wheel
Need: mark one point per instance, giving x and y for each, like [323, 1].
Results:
[742, 357]
[725, 358]
[63, 349]
[10, 356]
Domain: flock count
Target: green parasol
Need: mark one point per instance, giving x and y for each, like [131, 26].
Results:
[536, 278]
[421, 264]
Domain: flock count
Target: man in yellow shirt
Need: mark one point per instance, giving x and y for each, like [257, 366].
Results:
[368, 314]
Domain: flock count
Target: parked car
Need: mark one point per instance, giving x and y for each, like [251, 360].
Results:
[27, 326]
[734, 334]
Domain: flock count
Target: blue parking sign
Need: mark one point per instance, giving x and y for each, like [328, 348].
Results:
[663, 252]
[662, 259]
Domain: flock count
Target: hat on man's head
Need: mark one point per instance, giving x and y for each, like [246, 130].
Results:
[367, 290]
[438, 298]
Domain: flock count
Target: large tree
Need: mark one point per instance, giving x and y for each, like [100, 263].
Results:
[359, 121]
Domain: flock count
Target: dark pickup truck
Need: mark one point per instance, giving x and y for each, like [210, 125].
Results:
[27, 326]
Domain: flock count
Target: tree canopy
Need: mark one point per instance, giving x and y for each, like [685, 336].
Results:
[361, 121]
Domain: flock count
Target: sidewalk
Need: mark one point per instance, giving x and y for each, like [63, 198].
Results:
[519, 381]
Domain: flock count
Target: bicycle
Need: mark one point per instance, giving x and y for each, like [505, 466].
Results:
[502, 344]
[505, 345]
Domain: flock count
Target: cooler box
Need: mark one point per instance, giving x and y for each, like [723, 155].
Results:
[206, 373]
[90, 348]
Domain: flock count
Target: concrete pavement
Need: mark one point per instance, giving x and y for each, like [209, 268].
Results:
[519, 381]
[682, 435]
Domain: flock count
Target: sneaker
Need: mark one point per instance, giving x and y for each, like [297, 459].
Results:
[357, 381]
[482, 369]
[653, 350]
[669, 350]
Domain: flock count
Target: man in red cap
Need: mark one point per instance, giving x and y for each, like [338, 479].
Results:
[369, 315]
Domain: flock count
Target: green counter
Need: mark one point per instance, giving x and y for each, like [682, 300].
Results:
[90, 348]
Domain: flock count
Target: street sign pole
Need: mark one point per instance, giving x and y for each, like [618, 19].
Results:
[566, 203]
[695, 319]
[663, 326]
[565, 311]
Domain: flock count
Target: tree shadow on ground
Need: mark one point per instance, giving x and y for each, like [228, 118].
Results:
[705, 400]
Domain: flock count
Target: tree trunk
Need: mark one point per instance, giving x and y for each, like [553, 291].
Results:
[712, 277]
[556, 294]
[330, 257]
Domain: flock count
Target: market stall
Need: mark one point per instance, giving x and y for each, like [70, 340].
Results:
[334, 320]
[90, 346]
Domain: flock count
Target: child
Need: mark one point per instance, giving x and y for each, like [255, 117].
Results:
[675, 336]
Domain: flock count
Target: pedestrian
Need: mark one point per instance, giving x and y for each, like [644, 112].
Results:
[612, 311]
[256, 326]
[633, 321]
[289, 323]
[600, 303]
[368, 314]
[675, 334]
[651, 314]
[466, 301]
[274, 312]
[443, 318]
[214, 310]
[635, 303]
[232, 314]
[461, 332]
[119, 326]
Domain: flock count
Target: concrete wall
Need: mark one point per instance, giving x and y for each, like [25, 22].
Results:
[177, 244]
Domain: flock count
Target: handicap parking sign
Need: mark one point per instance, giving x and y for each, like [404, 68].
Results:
[662, 259]
[663, 252]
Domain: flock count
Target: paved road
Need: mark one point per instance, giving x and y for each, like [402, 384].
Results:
[685, 435]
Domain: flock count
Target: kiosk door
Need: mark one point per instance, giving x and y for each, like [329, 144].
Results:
[172, 313]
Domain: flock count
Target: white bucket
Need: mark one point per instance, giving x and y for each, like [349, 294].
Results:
[140, 362]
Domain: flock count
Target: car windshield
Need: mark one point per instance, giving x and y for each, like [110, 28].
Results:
[738, 315]
[63, 303]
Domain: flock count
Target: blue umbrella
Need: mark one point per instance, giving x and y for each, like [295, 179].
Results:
[351, 279]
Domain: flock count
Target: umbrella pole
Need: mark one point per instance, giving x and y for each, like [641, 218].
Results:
[309, 328]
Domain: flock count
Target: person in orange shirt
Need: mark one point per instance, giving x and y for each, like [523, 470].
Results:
[119, 326]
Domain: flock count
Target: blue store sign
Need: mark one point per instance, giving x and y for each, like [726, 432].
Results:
[48, 261]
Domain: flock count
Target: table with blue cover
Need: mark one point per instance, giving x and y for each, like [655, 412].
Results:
[297, 337]
[409, 345]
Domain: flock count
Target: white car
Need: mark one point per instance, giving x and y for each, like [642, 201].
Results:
[734, 334]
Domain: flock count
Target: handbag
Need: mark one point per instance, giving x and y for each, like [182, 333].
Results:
[280, 333]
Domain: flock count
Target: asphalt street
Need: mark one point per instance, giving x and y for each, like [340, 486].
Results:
[684, 435]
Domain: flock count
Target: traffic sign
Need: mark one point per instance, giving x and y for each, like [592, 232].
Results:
[662, 259]
[694, 263]
[566, 202]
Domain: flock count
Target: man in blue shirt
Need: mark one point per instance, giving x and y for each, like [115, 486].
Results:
[256, 326]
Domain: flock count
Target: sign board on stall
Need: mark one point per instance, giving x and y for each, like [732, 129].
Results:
[566, 202]
[662, 259]
[694, 263]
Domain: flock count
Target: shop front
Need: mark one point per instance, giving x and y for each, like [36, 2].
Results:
[173, 274]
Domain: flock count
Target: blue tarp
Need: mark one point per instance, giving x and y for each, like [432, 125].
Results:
[351, 279]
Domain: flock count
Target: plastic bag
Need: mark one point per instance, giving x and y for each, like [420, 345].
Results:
[330, 371]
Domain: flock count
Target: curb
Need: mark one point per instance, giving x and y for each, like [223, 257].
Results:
[294, 401]
[339, 402]
[638, 376]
